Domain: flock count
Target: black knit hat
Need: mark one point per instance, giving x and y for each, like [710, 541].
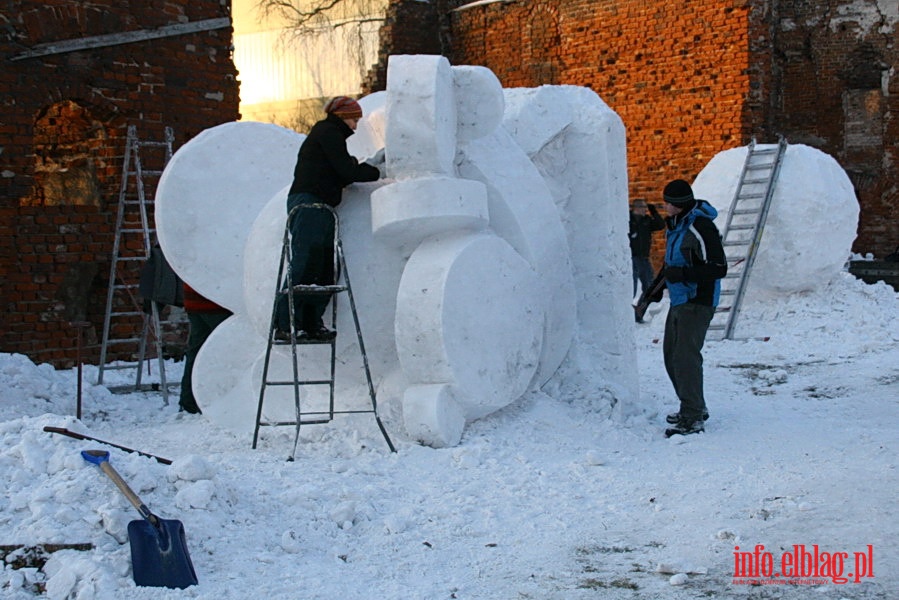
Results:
[678, 193]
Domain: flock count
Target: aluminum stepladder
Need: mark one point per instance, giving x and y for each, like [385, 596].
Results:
[286, 287]
[133, 225]
[744, 228]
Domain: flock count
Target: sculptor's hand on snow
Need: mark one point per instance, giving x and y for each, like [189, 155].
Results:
[378, 160]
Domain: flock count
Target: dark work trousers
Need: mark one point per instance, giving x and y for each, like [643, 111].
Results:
[311, 262]
[685, 331]
[642, 272]
[201, 325]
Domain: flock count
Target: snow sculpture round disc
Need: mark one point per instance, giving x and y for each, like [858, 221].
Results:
[467, 314]
[812, 220]
[221, 379]
[209, 195]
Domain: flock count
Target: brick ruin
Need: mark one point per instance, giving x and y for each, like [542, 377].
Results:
[75, 75]
[689, 80]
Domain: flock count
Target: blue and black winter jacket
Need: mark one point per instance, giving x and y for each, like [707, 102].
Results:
[695, 244]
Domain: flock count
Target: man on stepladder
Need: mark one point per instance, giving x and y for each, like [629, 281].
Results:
[694, 265]
[324, 167]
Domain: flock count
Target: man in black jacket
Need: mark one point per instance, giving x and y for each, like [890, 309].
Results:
[324, 167]
[645, 219]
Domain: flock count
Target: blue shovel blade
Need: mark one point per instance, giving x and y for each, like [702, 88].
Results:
[159, 556]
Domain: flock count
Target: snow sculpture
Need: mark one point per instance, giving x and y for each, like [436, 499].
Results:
[813, 190]
[460, 262]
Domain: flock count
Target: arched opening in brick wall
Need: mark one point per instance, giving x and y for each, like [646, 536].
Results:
[542, 45]
[68, 144]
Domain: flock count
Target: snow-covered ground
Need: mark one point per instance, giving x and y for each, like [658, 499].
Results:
[549, 498]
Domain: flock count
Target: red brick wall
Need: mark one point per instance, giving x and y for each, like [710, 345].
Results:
[676, 73]
[691, 79]
[62, 129]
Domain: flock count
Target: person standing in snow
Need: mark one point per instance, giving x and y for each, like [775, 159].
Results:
[694, 265]
[324, 167]
[644, 220]
[204, 316]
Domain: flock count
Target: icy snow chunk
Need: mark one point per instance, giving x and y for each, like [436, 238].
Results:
[290, 542]
[195, 495]
[344, 514]
[190, 468]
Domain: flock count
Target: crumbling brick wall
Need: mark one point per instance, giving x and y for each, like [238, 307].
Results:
[63, 127]
[692, 79]
[834, 86]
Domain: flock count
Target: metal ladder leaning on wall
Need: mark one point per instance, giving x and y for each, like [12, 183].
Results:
[317, 414]
[133, 225]
[744, 228]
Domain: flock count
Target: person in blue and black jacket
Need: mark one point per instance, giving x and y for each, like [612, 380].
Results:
[694, 265]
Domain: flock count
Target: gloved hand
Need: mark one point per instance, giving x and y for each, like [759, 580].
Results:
[377, 159]
[674, 274]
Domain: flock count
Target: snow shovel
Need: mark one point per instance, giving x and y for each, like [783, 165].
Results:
[159, 556]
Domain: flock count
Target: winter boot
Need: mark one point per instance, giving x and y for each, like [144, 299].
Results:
[685, 428]
[673, 418]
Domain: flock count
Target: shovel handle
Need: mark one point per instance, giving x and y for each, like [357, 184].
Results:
[101, 459]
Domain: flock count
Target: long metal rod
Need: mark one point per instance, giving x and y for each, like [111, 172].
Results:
[127, 37]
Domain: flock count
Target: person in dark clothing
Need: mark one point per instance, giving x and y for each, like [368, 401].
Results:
[204, 316]
[694, 265]
[324, 167]
[644, 220]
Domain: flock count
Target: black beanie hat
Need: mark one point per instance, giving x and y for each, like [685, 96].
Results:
[678, 193]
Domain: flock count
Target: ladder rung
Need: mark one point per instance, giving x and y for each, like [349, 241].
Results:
[129, 258]
[309, 382]
[746, 211]
[751, 197]
[302, 342]
[749, 227]
[317, 289]
[126, 286]
[121, 367]
[153, 172]
[292, 423]
[152, 143]
[759, 166]
[756, 181]
[759, 151]
[133, 313]
[736, 243]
